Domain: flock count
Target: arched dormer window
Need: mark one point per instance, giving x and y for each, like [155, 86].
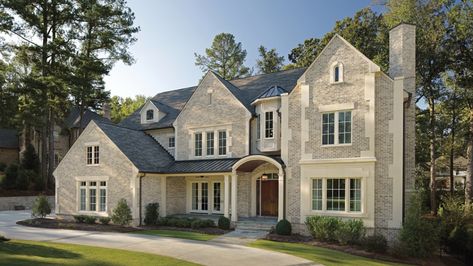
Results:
[150, 114]
[336, 72]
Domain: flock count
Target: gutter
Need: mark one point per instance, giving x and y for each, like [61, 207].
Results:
[407, 104]
[141, 175]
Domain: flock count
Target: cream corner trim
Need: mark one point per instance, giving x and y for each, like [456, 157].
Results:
[336, 107]
[304, 120]
[370, 81]
[339, 160]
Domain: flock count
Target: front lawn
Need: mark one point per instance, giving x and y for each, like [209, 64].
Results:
[17, 252]
[317, 254]
[178, 234]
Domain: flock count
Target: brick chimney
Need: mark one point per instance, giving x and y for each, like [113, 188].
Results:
[107, 111]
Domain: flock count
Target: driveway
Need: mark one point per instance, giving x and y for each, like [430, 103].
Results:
[207, 253]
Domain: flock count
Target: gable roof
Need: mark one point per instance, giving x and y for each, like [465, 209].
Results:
[8, 138]
[140, 148]
[73, 118]
[244, 89]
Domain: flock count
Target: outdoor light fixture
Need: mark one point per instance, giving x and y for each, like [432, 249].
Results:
[264, 177]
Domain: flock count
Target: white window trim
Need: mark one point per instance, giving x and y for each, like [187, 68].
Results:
[346, 212]
[211, 181]
[215, 130]
[152, 115]
[218, 144]
[335, 141]
[174, 142]
[87, 196]
[340, 73]
[202, 146]
[272, 120]
[93, 154]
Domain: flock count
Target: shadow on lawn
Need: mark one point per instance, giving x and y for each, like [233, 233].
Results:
[14, 248]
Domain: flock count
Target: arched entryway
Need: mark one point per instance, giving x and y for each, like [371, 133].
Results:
[267, 185]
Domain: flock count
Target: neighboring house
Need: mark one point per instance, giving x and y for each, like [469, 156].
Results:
[334, 139]
[9, 149]
[460, 165]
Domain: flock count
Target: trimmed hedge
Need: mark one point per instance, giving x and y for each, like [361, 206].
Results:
[224, 223]
[105, 220]
[283, 227]
[90, 219]
[152, 214]
[375, 243]
[194, 223]
[334, 229]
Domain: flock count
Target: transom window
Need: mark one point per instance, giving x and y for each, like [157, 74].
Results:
[222, 143]
[150, 114]
[268, 133]
[93, 155]
[210, 143]
[171, 142]
[336, 194]
[93, 196]
[198, 144]
[336, 124]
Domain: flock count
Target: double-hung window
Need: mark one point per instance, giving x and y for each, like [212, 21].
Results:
[341, 194]
[222, 143]
[269, 125]
[198, 144]
[93, 155]
[103, 196]
[172, 142]
[210, 143]
[336, 128]
[92, 196]
[83, 196]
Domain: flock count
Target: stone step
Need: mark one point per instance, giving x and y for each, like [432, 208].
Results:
[259, 225]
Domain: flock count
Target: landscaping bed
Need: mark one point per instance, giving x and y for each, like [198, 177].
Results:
[22, 193]
[203, 230]
[67, 224]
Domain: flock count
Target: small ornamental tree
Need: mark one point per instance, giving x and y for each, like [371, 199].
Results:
[41, 207]
[152, 214]
[122, 214]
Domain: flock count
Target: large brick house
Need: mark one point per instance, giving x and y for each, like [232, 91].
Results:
[336, 139]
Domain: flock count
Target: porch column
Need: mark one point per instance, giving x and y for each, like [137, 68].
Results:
[226, 201]
[162, 206]
[281, 195]
[234, 197]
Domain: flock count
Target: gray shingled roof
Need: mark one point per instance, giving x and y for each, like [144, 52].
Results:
[140, 148]
[245, 90]
[73, 118]
[200, 166]
[8, 138]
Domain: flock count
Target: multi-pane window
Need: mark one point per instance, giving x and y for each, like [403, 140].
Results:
[217, 196]
[328, 128]
[210, 143]
[93, 155]
[317, 194]
[344, 127]
[195, 196]
[268, 132]
[258, 127]
[198, 144]
[205, 196]
[171, 142]
[150, 114]
[83, 195]
[103, 196]
[335, 194]
[341, 194]
[336, 74]
[93, 196]
[336, 124]
[222, 142]
[355, 195]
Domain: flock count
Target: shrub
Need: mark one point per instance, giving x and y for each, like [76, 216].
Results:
[419, 236]
[350, 232]
[90, 219]
[183, 222]
[11, 173]
[2, 166]
[79, 218]
[374, 243]
[457, 241]
[223, 223]
[104, 220]
[30, 159]
[283, 227]
[24, 178]
[152, 214]
[122, 214]
[163, 221]
[3, 239]
[41, 207]
[196, 224]
[322, 227]
[208, 223]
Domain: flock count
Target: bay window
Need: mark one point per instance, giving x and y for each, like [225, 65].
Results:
[269, 125]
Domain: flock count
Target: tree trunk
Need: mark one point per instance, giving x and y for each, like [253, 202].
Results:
[452, 147]
[469, 154]
[44, 126]
[51, 157]
[433, 183]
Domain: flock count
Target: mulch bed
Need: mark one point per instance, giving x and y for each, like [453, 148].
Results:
[66, 224]
[207, 230]
[20, 193]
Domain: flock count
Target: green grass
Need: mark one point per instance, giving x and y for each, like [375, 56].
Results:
[17, 252]
[317, 254]
[178, 234]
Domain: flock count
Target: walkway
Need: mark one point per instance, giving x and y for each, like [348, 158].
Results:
[206, 253]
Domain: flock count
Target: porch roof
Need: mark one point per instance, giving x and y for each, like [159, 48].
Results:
[200, 166]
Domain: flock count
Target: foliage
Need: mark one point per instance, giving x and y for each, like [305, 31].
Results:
[225, 56]
[223, 223]
[152, 213]
[323, 227]
[283, 227]
[196, 224]
[41, 207]
[2, 166]
[123, 107]
[80, 218]
[30, 160]
[11, 174]
[350, 231]
[25, 179]
[3, 239]
[269, 61]
[375, 243]
[88, 219]
[104, 220]
[121, 214]
[419, 236]
[185, 222]
[178, 234]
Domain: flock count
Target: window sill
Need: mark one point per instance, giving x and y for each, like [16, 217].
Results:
[340, 213]
[92, 164]
[95, 213]
[336, 82]
[335, 145]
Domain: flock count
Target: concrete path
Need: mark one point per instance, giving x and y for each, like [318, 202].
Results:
[240, 237]
[206, 253]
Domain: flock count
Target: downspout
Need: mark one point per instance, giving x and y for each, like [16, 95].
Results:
[406, 104]
[283, 167]
[141, 175]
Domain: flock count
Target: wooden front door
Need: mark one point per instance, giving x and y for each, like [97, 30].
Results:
[269, 197]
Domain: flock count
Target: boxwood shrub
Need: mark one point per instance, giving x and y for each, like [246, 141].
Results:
[283, 227]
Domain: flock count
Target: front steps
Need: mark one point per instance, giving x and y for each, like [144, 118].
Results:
[256, 224]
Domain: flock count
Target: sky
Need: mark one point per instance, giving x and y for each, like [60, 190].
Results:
[172, 31]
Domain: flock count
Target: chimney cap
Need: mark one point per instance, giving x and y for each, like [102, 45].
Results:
[402, 23]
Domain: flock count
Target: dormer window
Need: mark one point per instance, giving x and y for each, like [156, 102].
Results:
[150, 114]
[336, 73]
